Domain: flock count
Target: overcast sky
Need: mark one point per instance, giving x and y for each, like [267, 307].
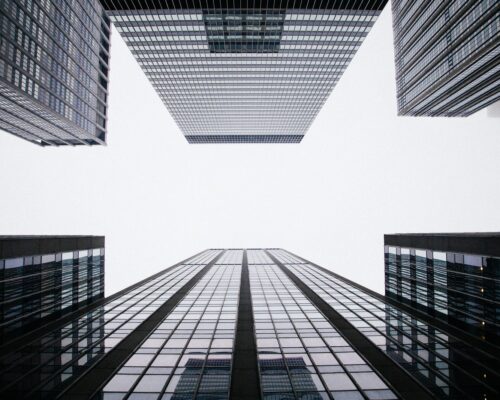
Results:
[360, 172]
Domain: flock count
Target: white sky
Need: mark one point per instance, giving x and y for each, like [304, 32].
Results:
[360, 172]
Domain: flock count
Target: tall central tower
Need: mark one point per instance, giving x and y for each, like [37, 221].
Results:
[248, 325]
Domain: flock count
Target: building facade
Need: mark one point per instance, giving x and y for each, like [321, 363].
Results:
[44, 277]
[247, 324]
[454, 277]
[54, 63]
[447, 55]
[243, 71]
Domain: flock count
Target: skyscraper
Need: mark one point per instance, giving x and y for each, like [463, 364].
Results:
[54, 58]
[45, 277]
[447, 56]
[243, 71]
[248, 324]
[453, 277]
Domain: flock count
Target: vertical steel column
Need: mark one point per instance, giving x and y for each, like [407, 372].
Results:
[90, 383]
[398, 379]
[245, 383]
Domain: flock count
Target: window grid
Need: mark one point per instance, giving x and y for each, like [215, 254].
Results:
[459, 287]
[446, 56]
[83, 341]
[294, 338]
[180, 51]
[300, 353]
[190, 353]
[53, 71]
[423, 350]
[41, 286]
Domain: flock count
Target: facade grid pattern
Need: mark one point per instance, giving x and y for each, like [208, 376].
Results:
[447, 56]
[450, 367]
[36, 287]
[301, 355]
[71, 349]
[460, 288]
[190, 352]
[241, 73]
[54, 57]
[177, 335]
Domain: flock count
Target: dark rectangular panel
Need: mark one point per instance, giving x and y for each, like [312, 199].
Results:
[20, 246]
[204, 139]
[184, 4]
[487, 243]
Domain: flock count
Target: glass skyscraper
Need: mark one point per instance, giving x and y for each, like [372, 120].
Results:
[454, 277]
[45, 277]
[54, 57]
[248, 324]
[243, 71]
[447, 56]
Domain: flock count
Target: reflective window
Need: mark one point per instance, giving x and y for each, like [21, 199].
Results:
[69, 349]
[185, 355]
[301, 355]
[443, 363]
[271, 70]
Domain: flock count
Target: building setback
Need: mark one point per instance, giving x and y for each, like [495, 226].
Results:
[45, 277]
[453, 277]
[447, 56]
[243, 71]
[248, 324]
[54, 57]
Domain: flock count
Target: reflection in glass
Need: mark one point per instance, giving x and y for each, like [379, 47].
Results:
[461, 289]
[39, 288]
[448, 366]
[301, 355]
[44, 365]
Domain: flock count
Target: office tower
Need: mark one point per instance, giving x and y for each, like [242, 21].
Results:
[447, 56]
[45, 277]
[243, 71]
[54, 57]
[453, 277]
[248, 324]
